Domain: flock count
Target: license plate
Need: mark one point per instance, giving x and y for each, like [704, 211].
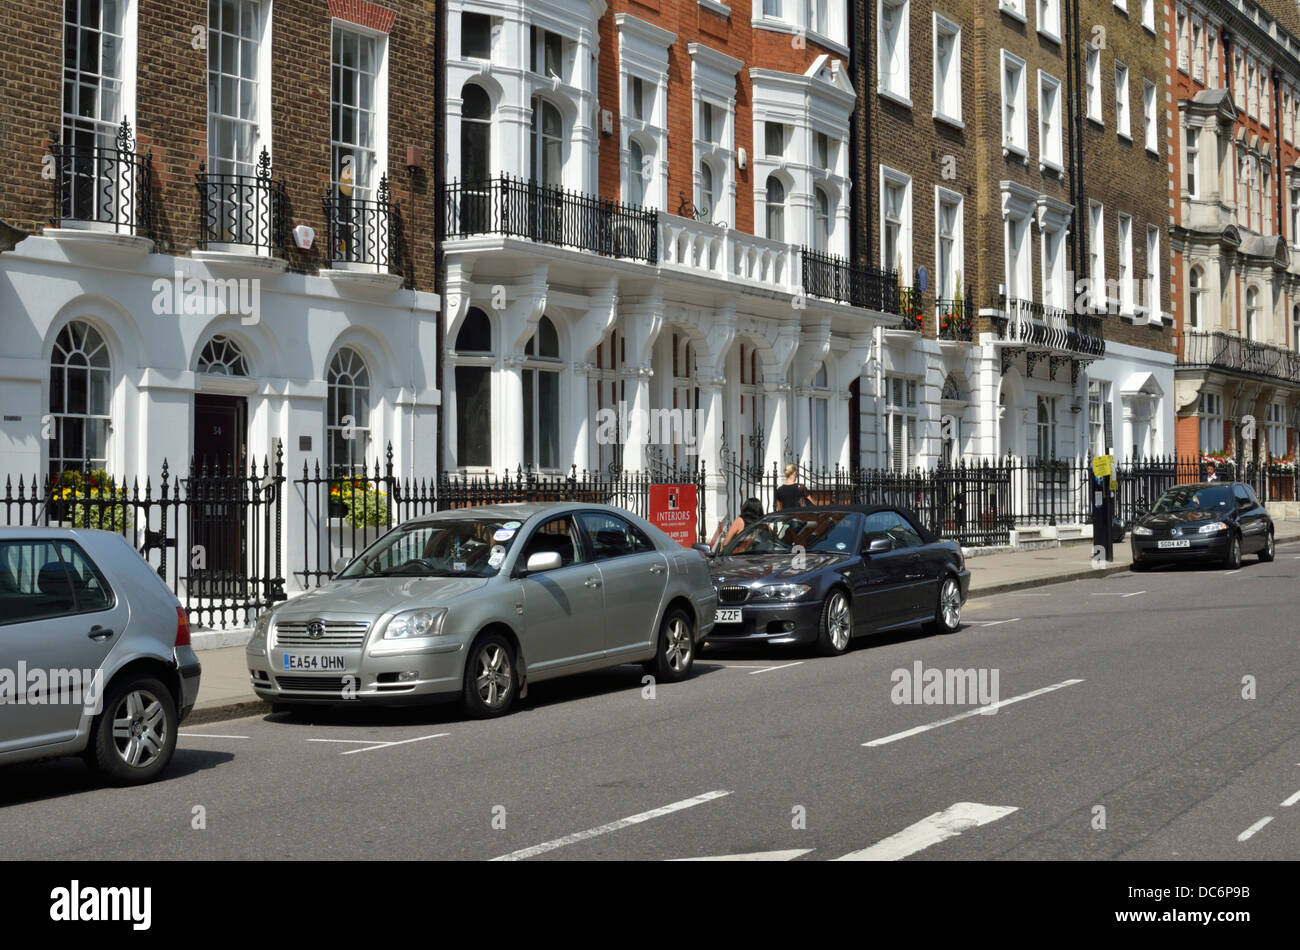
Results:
[1173, 544]
[315, 662]
[729, 615]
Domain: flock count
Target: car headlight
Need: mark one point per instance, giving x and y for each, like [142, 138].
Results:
[1139, 529]
[780, 592]
[1213, 527]
[415, 623]
[262, 626]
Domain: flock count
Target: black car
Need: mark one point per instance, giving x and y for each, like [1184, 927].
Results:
[823, 575]
[1209, 521]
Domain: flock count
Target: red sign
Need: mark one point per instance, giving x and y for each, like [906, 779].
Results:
[673, 511]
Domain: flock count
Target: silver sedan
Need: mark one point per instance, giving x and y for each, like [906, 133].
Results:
[480, 602]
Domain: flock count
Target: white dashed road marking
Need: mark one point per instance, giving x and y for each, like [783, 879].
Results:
[372, 744]
[205, 735]
[768, 669]
[990, 623]
[1249, 832]
[611, 826]
[931, 830]
[754, 856]
[982, 711]
[1292, 800]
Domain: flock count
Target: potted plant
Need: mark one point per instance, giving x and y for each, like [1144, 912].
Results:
[92, 500]
[359, 502]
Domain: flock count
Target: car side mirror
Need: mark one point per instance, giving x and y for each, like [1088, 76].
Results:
[543, 561]
[703, 549]
[879, 546]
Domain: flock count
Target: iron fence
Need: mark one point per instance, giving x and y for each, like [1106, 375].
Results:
[213, 535]
[242, 209]
[103, 184]
[550, 214]
[953, 316]
[834, 278]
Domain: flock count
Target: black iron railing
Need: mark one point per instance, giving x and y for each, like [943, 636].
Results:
[214, 536]
[834, 278]
[362, 231]
[100, 183]
[247, 210]
[550, 214]
[911, 308]
[954, 318]
[1229, 351]
[1035, 324]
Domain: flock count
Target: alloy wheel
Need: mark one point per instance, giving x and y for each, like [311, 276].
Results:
[679, 649]
[839, 625]
[950, 604]
[139, 728]
[494, 680]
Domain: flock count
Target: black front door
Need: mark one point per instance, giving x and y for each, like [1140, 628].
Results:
[218, 484]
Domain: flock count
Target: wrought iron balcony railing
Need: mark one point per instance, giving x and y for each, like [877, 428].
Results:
[911, 307]
[834, 278]
[103, 184]
[365, 232]
[954, 318]
[550, 214]
[1228, 351]
[1035, 324]
[246, 210]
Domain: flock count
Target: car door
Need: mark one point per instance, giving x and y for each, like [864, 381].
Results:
[918, 594]
[58, 621]
[635, 578]
[1250, 518]
[563, 608]
[879, 585]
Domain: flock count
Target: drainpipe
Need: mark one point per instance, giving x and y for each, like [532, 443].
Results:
[1074, 81]
[439, 160]
[1277, 159]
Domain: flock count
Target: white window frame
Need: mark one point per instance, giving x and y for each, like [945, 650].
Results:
[947, 88]
[1124, 262]
[1181, 40]
[1196, 298]
[1014, 9]
[944, 197]
[1149, 15]
[1092, 86]
[1015, 140]
[259, 124]
[1122, 104]
[901, 412]
[1051, 151]
[379, 112]
[1150, 120]
[1191, 161]
[1052, 252]
[1097, 296]
[1049, 19]
[895, 83]
[1210, 415]
[892, 176]
[1155, 313]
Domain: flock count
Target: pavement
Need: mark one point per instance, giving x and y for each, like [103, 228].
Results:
[225, 693]
[1129, 716]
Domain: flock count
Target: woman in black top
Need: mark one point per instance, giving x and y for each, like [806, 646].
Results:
[750, 512]
[791, 494]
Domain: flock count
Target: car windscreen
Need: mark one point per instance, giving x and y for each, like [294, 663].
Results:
[460, 547]
[1194, 498]
[832, 531]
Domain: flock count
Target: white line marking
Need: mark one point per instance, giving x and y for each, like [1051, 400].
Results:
[931, 830]
[990, 623]
[354, 741]
[1254, 828]
[385, 745]
[205, 735]
[612, 826]
[768, 669]
[1109, 593]
[1230, 573]
[753, 856]
[982, 711]
[1292, 800]
[1134, 594]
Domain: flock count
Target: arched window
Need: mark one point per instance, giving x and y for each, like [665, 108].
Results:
[473, 381]
[822, 229]
[80, 381]
[1295, 327]
[547, 143]
[775, 209]
[636, 173]
[348, 413]
[752, 408]
[1252, 313]
[541, 378]
[950, 389]
[708, 202]
[1195, 282]
[222, 356]
[475, 159]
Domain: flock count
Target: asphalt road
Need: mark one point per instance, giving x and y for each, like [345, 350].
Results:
[1122, 732]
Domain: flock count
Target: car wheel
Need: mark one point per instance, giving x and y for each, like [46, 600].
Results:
[675, 654]
[490, 679]
[836, 628]
[134, 736]
[1266, 553]
[1233, 560]
[947, 615]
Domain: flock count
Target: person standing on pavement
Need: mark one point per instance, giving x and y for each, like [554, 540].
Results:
[1211, 476]
[791, 494]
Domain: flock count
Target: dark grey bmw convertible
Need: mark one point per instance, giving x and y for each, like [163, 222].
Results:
[824, 575]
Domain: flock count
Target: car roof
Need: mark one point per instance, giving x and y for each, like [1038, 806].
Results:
[910, 513]
[518, 511]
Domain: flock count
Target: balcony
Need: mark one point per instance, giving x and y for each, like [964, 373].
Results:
[364, 235]
[549, 214]
[727, 254]
[103, 187]
[1236, 354]
[835, 278]
[953, 317]
[242, 213]
[1029, 323]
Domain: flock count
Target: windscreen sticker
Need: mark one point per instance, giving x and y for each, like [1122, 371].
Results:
[513, 525]
[504, 534]
[458, 565]
[497, 556]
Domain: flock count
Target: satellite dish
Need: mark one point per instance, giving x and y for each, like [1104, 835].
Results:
[922, 278]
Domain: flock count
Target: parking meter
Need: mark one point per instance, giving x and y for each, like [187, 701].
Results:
[1103, 506]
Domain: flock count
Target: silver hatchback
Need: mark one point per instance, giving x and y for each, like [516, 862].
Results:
[480, 602]
[95, 656]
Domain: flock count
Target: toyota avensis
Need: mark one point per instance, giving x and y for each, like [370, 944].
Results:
[480, 602]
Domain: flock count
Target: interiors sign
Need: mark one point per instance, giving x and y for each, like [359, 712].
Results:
[673, 511]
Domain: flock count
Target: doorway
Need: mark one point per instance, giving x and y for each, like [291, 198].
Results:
[217, 487]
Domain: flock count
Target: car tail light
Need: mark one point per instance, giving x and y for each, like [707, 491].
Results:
[182, 628]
